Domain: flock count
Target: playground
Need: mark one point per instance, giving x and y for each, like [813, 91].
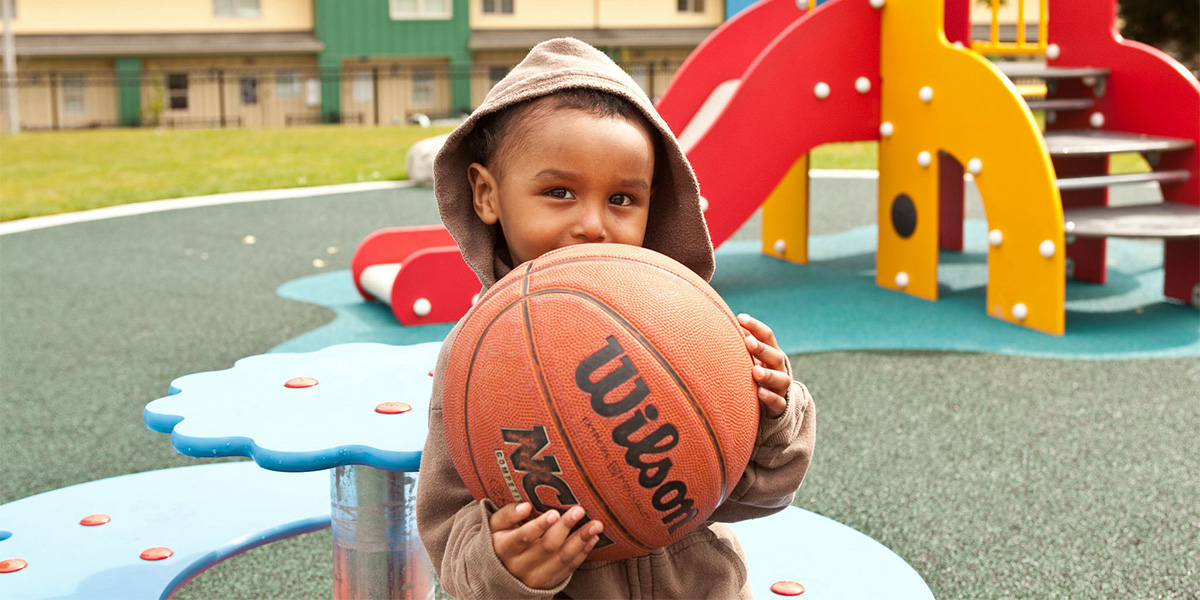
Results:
[1007, 409]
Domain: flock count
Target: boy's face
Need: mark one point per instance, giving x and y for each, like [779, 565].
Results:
[575, 178]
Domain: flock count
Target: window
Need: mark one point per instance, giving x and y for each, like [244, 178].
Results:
[641, 76]
[690, 6]
[249, 89]
[243, 9]
[177, 91]
[422, 85]
[495, 74]
[421, 9]
[72, 94]
[287, 85]
[363, 88]
[497, 7]
[312, 91]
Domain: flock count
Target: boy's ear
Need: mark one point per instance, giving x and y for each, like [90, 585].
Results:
[483, 193]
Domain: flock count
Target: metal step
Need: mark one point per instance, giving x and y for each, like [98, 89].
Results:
[1090, 142]
[1060, 103]
[1099, 181]
[1168, 220]
[1037, 70]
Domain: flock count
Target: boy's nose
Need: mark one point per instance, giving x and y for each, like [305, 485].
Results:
[590, 227]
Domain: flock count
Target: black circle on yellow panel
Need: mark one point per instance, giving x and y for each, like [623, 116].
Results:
[904, 215]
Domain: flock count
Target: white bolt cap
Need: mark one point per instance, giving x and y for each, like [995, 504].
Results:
[1096, 120]
[474, 299]
[877, 4]
[958, 44]
[802, 4]
[925, 94]
[1020, 311]
[1053, 51]
[924, 159]
[703, 204]
[974, 166]
[995, 238]
[862, 85]
[1051, 116]
[821, 90]
[1046, 248]
[422, 307]
[780, 247]
[886, 129]
[901, 280]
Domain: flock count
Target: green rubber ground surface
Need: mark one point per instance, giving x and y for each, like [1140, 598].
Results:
[994, 476]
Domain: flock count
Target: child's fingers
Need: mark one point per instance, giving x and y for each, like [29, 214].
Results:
[552, 541]
[509, 516]
[514, 542]
[771, 379]
[758, 329]
[768, 356]
[773, 404]
[575, 549]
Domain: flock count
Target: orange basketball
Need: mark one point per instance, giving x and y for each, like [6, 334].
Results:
[608, 376]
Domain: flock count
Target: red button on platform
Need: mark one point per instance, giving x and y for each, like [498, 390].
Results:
[787, 588]
[392, 408]
[300, 382]
[156, 553]
[94, 520]
[12, 565]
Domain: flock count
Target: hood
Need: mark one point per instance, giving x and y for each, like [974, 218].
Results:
[675, 226]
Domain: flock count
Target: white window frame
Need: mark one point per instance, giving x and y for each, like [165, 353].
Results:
[74, 94]
[362, 87]
[497, 7]
[691, 7]
[420, 11]
[425, 86]
[287, 85]
[237, 9]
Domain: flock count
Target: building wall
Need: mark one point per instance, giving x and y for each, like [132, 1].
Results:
[587, 14]
[365, 29]
[154, 16]
[65, 94]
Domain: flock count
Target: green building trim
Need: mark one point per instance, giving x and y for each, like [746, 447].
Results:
[364, 29]
[129, 94]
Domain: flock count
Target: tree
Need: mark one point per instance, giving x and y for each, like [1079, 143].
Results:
[1173, 26]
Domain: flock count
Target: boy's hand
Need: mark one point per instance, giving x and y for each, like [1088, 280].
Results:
[543, 552]
[768, 371]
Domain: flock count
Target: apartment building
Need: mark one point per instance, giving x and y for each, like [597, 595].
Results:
[650, 38]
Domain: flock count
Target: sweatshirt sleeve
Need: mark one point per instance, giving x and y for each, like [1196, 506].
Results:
[782, 452]
[454, 526]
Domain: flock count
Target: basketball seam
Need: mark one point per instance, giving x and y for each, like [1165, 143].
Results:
[562, 430]
[467, 388]
[666, 365]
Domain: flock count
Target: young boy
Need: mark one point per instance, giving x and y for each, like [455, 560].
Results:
[565, 150]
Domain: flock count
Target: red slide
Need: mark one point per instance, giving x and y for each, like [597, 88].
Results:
[774, 115]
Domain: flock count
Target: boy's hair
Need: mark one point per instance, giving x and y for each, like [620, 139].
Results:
[492, 140]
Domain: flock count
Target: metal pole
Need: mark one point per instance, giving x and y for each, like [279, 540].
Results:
[10, 67]
[221, 95]
[376, 550]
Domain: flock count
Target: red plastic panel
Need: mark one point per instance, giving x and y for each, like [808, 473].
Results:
[722, 56]
[440, 276]
[775, 117]
[394, 245]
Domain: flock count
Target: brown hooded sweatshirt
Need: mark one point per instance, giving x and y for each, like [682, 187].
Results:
[707, 563]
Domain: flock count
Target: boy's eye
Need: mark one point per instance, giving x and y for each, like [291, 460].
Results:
[562, 193]
[621, 200]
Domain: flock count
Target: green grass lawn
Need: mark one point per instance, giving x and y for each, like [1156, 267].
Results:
[55, 172]
[48, 173]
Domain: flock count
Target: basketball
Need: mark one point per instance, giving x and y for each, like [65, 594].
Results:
[608, 376]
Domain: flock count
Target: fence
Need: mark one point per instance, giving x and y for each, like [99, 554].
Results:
[359, 95]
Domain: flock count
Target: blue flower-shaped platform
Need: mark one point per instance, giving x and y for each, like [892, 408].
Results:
[250, 410]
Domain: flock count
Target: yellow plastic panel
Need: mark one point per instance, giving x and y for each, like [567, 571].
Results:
[785, 216]
[974, 113]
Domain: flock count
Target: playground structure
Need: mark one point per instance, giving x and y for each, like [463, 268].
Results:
[747, 111]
